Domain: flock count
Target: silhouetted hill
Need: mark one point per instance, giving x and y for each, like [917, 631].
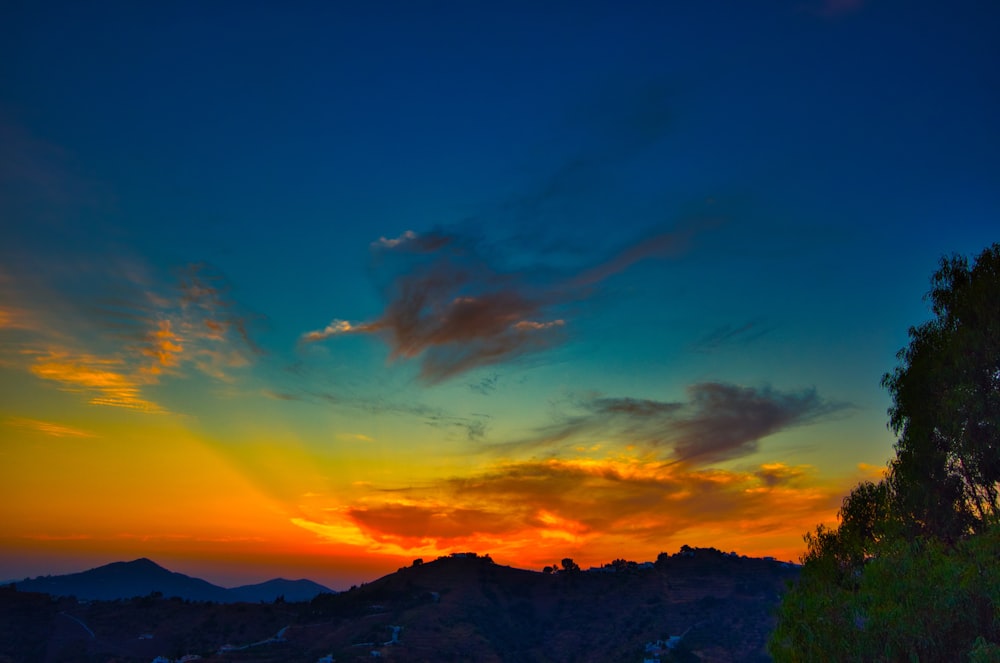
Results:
[463, 608]
[142, 577]
[289, 590]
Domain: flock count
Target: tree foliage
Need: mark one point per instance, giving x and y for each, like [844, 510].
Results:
[946, 404]
[910, 572]
[569, 566]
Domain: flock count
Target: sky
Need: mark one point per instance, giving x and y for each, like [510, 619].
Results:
[313, 291]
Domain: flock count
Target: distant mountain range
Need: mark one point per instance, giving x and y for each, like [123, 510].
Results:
[141, 577]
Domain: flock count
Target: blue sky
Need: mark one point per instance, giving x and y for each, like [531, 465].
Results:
[420, 247]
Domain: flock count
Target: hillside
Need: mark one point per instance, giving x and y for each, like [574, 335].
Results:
[451, 609]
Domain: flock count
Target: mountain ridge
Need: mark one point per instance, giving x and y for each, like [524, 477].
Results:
[143, 576]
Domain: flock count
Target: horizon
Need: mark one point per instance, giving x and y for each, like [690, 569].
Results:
[312, 292]
[260, 581]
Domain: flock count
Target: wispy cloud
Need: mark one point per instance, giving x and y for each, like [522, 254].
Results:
[48, 428]
[106, 380]
[111, 331]
[334, 328]
[486, 386]
[718, 421]
[454, 309]
[730, 335]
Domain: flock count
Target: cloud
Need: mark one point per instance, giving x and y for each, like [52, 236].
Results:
[717, 422]
[15, 318]
[776, 474]
[474, 426]
[163, 346]
[335, 327]
[486, 386]
[110, 330]
[658, 246]
[450, 305]
[727, 335]
[727, 421]
[471, 427]
[543, 510]
[411, 242]
[279, 395]
[355, 437]
[103, 378]
[431, 521]
[48, 428]
[383, 242]
[210, 312]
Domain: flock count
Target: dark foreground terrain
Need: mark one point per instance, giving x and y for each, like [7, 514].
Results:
[453, 609]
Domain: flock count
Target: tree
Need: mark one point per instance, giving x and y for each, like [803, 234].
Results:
[569, 566]
[910, 572]
[662, 560]
[946, 404]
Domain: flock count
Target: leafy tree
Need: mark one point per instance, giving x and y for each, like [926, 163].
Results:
[920, 600]
[946, 404]
[910, 572]
[569, 566]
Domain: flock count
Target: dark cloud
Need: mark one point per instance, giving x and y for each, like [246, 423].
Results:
[450, 304]
[454, 302]
[779, 474]
[717, 422]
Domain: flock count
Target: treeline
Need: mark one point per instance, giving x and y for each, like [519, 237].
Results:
[911, 572]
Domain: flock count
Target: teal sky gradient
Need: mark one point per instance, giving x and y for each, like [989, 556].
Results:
[688, 233]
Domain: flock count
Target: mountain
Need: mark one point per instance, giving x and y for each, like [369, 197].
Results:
[719, 606]
[697, 605]
[142, 577]
[289, 590]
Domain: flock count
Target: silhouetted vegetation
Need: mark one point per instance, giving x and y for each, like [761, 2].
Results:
[457, 608]
[911, 571]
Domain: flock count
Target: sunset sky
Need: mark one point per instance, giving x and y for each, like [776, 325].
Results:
[317, 291]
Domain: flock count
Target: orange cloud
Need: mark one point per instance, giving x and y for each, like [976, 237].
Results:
[48, 428]
[163, 346]
[100, 376]
[132, 334]
[537, 511]
[16, 318]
